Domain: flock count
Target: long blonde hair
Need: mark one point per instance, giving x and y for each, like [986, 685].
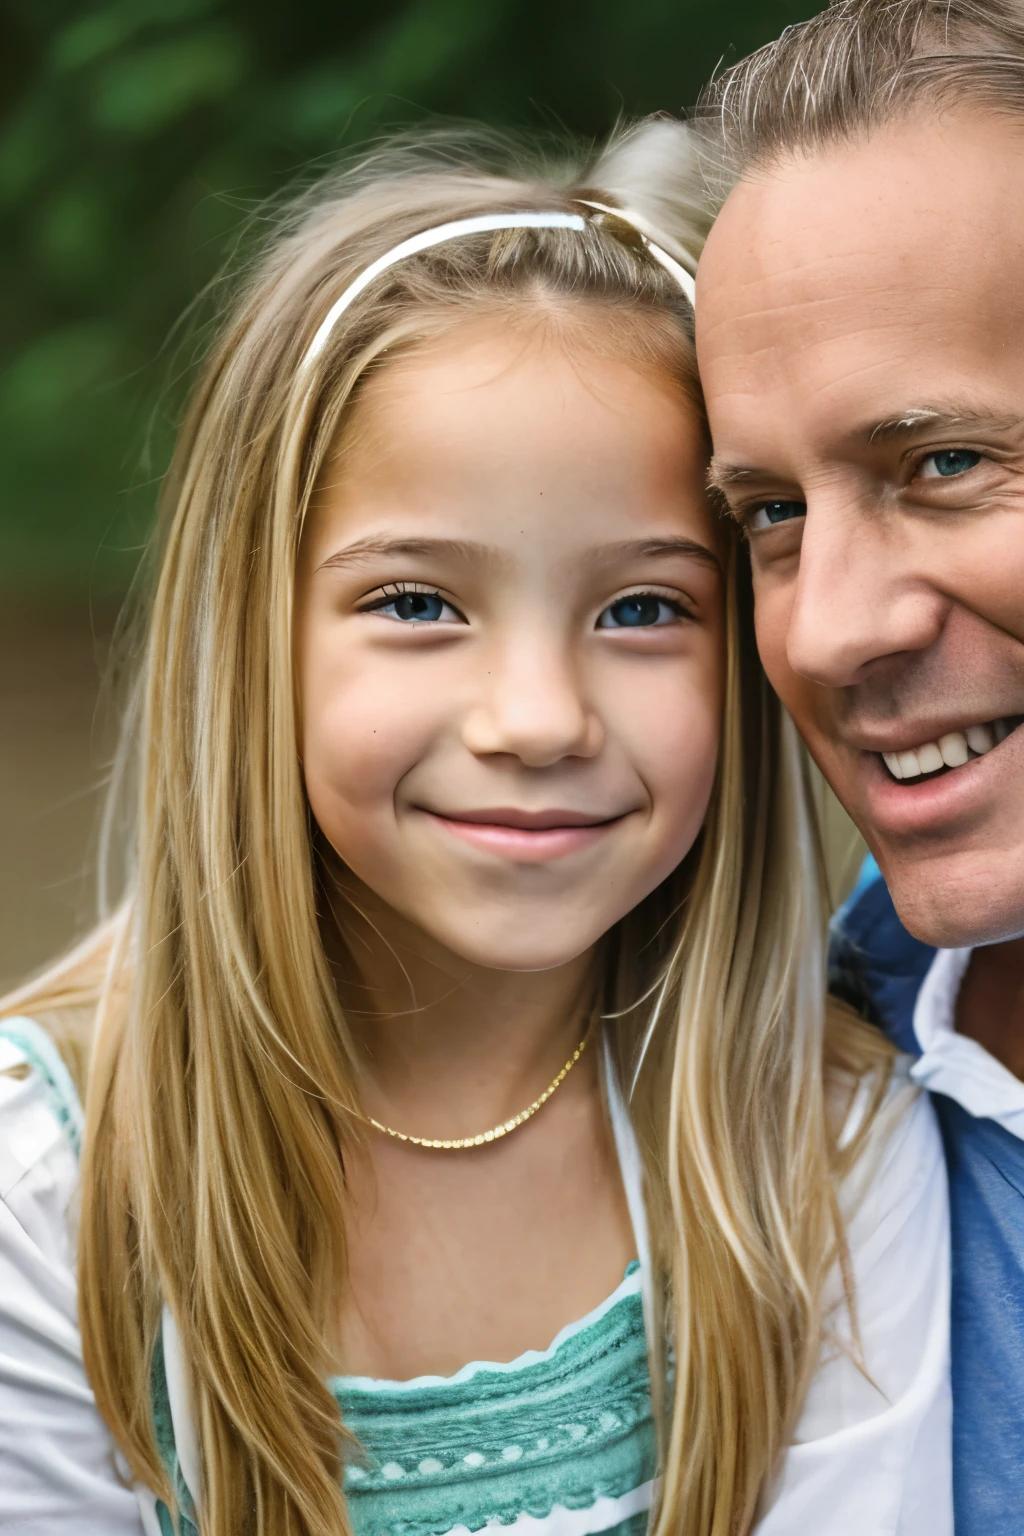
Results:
[221, 1080]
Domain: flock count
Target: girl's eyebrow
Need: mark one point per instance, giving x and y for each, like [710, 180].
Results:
[656, 549]
[480, 554]
[373, 548]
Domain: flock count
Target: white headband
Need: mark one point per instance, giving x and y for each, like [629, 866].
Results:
[478, 226]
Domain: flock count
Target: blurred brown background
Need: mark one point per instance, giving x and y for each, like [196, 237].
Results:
[137, 140]
[51, 656]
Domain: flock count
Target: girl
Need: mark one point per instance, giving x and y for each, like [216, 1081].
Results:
[463, 1122]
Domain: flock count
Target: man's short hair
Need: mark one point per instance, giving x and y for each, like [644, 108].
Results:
[858, 65]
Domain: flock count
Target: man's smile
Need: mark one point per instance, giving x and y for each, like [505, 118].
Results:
[947, 801]
[951, 750]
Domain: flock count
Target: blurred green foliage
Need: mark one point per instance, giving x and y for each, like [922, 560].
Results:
[136, 138]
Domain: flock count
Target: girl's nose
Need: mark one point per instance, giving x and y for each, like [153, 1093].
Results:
[531, 705]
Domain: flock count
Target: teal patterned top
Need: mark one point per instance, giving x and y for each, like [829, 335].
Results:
[565, 1431]
[563, 1437]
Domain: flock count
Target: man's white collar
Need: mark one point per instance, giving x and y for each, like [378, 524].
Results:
[952, 1064]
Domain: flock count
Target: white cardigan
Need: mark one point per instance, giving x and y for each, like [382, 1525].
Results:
[871, 1456]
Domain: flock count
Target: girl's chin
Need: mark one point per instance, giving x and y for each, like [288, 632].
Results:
[501, 951]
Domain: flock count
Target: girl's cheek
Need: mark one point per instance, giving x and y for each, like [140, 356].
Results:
[677, 750]
[672, 712]
[684, 770]
[362, 734]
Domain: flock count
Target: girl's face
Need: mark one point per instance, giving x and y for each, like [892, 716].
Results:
[509, 633]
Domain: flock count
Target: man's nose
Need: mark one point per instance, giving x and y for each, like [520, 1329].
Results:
[532, 705]
[860, 597]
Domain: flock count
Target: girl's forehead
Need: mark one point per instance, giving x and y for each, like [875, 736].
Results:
[500, 426]
[521, 396]
[516, 355]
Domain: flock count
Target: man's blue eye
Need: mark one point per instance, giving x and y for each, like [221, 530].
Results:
[769, 513]
[948, 462]
[639, 611]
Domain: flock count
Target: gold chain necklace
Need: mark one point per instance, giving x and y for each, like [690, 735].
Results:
[458, 1143]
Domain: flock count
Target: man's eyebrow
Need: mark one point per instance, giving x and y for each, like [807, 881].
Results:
[380, 546]
[725, 477]
[947, 418]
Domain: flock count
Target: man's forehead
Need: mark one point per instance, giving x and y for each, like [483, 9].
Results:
[842, 295]
[919, 214]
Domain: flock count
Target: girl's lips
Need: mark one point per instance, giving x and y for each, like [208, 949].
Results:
[527, 844]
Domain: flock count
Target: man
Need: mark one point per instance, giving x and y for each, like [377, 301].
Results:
[860, 313]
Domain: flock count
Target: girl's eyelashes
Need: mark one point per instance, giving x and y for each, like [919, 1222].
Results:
[643, 610]
[410, 604]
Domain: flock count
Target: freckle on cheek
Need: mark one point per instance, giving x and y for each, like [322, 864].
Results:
[357, 764]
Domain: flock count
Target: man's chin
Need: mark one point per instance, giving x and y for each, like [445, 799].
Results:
[957, 900]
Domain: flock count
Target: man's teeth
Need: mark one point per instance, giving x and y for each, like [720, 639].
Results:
[950, 751]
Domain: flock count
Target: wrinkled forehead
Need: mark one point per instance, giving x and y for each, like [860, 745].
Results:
[905, 248]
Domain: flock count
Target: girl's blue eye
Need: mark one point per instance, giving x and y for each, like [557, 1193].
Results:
[641, 610]
[414, 607]
[769, 513]
[948, 463]
[418, 605]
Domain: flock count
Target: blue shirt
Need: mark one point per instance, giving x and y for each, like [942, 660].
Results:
[910, 989]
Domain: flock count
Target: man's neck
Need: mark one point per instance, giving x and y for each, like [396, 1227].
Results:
[990, 1008]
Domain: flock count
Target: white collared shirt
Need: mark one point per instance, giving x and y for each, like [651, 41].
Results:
[954, 1065]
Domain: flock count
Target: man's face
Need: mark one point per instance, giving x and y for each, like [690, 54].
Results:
[861, 343]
